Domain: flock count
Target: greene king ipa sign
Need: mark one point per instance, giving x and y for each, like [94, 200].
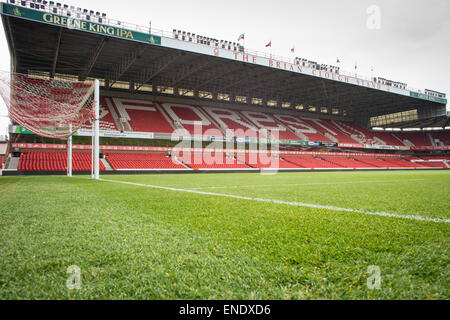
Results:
[77, 24]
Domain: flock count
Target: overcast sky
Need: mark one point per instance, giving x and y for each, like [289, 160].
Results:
[411, 44]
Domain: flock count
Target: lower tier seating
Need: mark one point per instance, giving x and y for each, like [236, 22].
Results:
[142, 161]
[312, 162]
[266, 162]
[374, 163]
[55, 161]
[401, 163]
[348, 163]
[211, 160]
[439, 164]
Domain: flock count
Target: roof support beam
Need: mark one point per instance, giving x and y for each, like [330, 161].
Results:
[156, 68]
[240, 78]
[271, 79]
[55, 58]
[125, 64]
[95, 53]
[236, 82]
[188, 70]
[217, 74]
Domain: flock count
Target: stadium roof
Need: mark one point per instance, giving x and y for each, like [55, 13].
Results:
[41, 40]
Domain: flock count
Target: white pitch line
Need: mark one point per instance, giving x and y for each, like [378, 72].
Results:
[305, 184]
[297, 204]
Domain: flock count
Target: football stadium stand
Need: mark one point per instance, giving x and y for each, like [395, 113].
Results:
[170, 87]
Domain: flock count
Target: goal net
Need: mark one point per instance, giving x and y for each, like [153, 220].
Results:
[47, 107]
[53, 108]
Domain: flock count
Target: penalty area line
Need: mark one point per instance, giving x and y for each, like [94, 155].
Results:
[296, 204]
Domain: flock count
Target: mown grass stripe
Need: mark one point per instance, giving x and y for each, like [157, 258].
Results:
[305, 184]
[297, 204]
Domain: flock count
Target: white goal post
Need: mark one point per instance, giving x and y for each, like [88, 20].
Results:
[95, 154]
[96, 130]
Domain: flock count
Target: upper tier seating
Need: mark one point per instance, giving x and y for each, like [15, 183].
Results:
[435, 158]
[266, 121]
[232, 120]
[125, 114]
[191, 118]
[417, 139]
[148, 121]
[443, 137]
[364, 136]
[55, 161]
[107, 122]
[308, 130]
[142, 161]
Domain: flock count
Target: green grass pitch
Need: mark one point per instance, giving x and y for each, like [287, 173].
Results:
[135, 242]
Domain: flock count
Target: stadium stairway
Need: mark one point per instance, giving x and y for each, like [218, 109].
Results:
[12, 163]
[107, 165]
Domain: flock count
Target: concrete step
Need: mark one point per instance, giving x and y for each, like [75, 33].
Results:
[12, 163]
[107, 165]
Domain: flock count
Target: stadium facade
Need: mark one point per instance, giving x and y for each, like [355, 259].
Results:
[155, 83]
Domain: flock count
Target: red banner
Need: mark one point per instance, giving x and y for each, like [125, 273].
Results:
[351, 145]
